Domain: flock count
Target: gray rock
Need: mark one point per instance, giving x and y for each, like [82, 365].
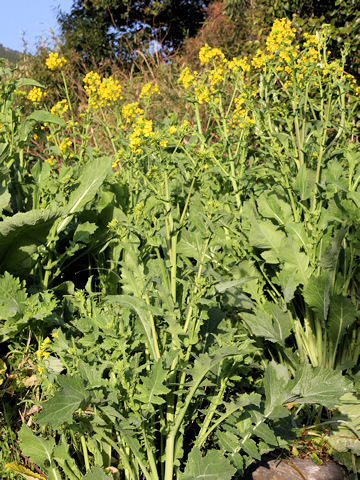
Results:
[290, 470]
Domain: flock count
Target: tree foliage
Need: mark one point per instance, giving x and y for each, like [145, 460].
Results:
[103, 28]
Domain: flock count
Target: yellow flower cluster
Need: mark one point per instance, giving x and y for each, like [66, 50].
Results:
[65, 145]
[202, 94]
[42, 350]
[54, 62]
[101, 91]
[142, 128]
[207, 53]
[130, 111]
[149, 89]
[241, 118]
[60, 108]
[186, 77]
[281, 35]
[237, 64]
[36, 94]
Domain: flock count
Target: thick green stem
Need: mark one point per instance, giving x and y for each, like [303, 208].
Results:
[85, 452]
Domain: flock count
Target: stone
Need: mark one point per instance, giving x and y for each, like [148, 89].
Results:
[298, 469]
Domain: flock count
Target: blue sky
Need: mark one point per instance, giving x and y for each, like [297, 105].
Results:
[34, 18]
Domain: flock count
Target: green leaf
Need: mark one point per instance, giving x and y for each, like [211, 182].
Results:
[317, 386]
[46, 117]
[142, 310]
[23, 82]
[304, 183]
[269, 322]
[264, 432]
[12, 296]
[276, 379]
[342, 315]
[317, 294]
[91, 179]
[97, 473]
[62, 456]
[84, 231]
[293, 257]
[266, 235]
[59, 409]
[249, 446]
[213, 466]
[21, 234]
[36, 448]
[289, 281]
[271, 206]
[152, 387]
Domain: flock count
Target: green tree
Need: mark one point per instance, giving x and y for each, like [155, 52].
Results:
[101, 28]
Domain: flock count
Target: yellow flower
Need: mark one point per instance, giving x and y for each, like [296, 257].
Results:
[36, 94]
[65, 145]
[46, 341]
[46, 355]
[149, 89]
[101, 91]
[55, 334]
[172, 129]
[163, 143]
[60, 108]
[130, 111]
[207, 53]
[186, 77]
[202, 94]
[40, 369]
[237, 64]
[54, 62]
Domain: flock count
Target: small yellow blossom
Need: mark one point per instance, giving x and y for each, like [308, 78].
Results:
[149, 89]
[65, 145]
[60, 108]
[172, 129]
[54, 62]
[36, 94]
[207, 53]
[163, 143]
[186, 78]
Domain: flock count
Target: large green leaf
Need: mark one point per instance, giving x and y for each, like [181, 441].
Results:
[91, 179]
[36, 448]
[59, 409]
[45, 116]
[97, 473]
[142, 310]
[269, 322]
[317, 385]
[151, 388]
[264, 234]
[276, 379]
[342, 315]
[317, 295]
[213, 466]
[270, 205]
[21, 234]
[39, 450]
